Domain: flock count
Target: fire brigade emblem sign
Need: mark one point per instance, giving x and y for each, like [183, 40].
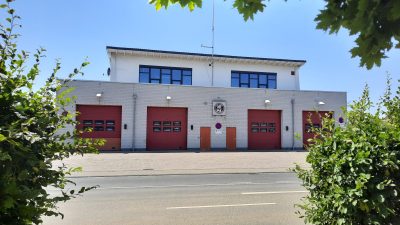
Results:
[219, 108]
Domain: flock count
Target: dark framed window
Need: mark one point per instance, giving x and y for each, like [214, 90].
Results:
[167, 129]
[88, 122]
[99, 122]
[165, 75]
[235, 80]
[253, 79]
[99, 125]
[166, 123]
[99, 128]
[144, 74]
[254, 130]
[110, 122]
[110, 128]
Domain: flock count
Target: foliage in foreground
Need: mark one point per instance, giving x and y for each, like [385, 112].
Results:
[375, 23]
[354, 177]
[29, 137]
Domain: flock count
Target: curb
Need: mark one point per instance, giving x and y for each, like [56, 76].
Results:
[178, 174]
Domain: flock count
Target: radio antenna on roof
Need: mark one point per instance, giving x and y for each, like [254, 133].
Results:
[212, 44]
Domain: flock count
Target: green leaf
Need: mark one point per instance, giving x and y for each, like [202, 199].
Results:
[7, 203]
[2, 138]
[381, 198]
[85, 64]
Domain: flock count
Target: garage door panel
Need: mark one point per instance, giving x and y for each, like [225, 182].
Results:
[104, 121]
[166, 128]
[312, 119]
[264, 129]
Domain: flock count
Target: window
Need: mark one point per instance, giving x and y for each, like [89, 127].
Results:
[235, 80]
[253, 80]
[165, 75]
[144, 75]
[98, 125]
[155, 76]
[272, 81]
[187, 77]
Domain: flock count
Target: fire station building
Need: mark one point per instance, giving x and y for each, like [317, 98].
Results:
[165, 100]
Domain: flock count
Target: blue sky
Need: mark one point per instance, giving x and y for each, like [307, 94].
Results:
[73, 30]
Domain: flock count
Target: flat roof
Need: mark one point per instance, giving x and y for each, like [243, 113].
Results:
[178, 53]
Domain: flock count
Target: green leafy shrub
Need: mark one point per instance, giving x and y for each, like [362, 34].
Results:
[354, 177]
[30, 140]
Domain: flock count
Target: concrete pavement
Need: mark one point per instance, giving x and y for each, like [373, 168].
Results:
[125, 164]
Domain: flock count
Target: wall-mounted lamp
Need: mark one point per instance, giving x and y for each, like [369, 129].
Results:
[319, 101]
[267, 101]
[98, 96]
[168, 98]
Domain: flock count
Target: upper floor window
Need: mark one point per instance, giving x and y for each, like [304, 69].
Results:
[165, 75]
[253, 79]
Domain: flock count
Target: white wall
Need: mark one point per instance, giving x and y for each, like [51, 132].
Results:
[125, 68]
[198, 101]
[117, 94]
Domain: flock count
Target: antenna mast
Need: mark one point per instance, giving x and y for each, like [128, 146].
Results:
[212, 47]
[212, 44]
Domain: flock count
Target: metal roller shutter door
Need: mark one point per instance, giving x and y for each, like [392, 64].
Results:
[316, 118]
[105, 122]
[264, 129]
[166, 128]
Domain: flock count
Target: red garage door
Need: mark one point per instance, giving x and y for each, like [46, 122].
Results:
[105, 122]
[166, 128]
[264, 129]
[316, 118]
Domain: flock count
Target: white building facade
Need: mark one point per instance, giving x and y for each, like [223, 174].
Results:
[163, 100]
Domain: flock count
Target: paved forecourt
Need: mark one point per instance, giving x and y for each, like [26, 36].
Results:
[123, 164]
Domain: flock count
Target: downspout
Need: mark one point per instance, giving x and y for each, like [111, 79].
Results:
[134, 121]
[292, 101]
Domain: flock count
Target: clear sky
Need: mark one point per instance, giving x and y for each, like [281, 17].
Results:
[74, 29]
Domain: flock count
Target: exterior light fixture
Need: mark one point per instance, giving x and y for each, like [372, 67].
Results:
[98, 96]
[321, 103]
[267, 101]
[168, 98]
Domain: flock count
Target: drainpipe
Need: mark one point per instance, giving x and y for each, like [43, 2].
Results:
[292, 101]
[134, 121]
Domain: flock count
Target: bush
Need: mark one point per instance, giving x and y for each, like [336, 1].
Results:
[355, 176]
[30, 140]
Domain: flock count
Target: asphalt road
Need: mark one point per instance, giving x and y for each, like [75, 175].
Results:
[217, 199]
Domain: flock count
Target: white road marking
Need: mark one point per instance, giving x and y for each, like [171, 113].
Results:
[218, 206]
[272, 192]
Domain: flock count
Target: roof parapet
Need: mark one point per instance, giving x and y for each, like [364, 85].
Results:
[202, 56]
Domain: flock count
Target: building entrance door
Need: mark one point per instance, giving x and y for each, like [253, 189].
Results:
[231, 138]
[205, 138]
